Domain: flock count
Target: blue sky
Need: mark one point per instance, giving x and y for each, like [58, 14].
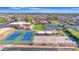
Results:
[39, 9]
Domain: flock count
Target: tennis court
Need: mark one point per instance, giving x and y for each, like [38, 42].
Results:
[28, 36]
[13, 36]
[18, 37]
[51, 27]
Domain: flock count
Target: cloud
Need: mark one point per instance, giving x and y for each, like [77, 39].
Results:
[33, 8]
[17, 7]
[39, 10]
[76, 8]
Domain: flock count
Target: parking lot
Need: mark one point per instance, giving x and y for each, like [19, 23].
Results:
[52, 39]
[58, 40]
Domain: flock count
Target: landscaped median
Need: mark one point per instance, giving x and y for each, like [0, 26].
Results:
[73, 33]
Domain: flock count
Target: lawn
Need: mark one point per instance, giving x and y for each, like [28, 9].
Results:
[38, 27]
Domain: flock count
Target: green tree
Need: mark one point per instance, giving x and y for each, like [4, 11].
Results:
[30, 19]
[73, 33]
[25, 19]
[2, 20]
[35, 19]
[17, 19]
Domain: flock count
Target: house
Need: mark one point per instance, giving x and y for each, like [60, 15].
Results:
[42, 22]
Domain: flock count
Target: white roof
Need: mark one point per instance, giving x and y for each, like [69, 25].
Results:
[40, 32]
[20, 22]
[44, 32]
[4, 29]
[49, 32]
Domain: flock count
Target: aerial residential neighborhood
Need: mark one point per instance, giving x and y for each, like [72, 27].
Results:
[39, 31]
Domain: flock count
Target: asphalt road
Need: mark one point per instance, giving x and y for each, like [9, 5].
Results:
[5, 24]
[37, 49]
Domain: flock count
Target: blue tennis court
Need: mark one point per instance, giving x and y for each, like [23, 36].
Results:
[28, 36]
[13, 36]
[28, 33]
[51, 27]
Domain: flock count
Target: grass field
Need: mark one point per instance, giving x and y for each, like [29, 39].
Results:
[38, 27]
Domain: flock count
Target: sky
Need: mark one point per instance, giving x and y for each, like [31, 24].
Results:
[39, 9]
